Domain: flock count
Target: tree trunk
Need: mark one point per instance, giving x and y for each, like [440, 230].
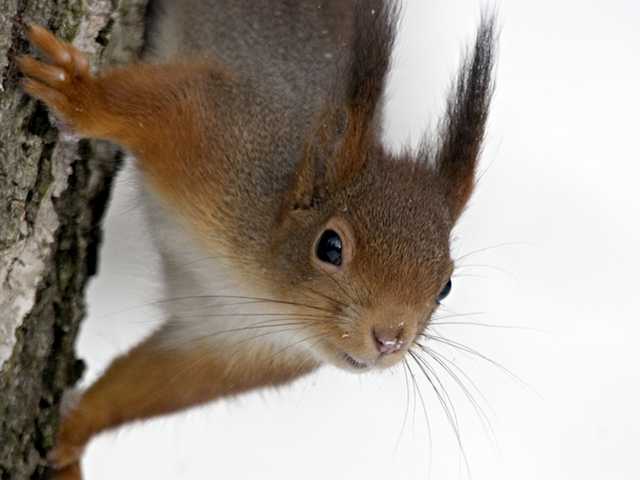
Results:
[53, 194]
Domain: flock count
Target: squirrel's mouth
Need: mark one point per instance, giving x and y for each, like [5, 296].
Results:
[353, 362]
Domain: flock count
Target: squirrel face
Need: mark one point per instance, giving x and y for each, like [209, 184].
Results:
[363, 236]
[372, 259]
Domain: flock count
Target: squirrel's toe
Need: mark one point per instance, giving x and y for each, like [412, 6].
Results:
[64, 456]
[72, 472]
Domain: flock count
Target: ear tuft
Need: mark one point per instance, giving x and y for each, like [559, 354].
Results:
[310, 178]
[375, 25]
[336, 150]
[463, 128]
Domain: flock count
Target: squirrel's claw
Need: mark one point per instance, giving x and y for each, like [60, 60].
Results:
[67, 64]
[48, 95]
[63, 456]
[64, 82]
[48, 43]
[50, 75]
[60, 53]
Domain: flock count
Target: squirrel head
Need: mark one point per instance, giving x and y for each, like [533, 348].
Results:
[362, 243]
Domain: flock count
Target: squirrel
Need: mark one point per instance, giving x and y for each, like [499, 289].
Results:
[289, 236]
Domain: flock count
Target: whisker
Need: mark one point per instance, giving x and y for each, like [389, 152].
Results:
[455, 366]
[217, 297]
[458, 315]
[488, 267]
[487, 325]
[434, 379]
[217, 257]
[468, 275]
[445, 402]
[362, 300]
[326, 297]
[150, 397]
[406, 410]
[464, 348]
[255, 315]
[492, 247]
[255, 337]
[282, 350]
[416, 390]
[340, 287]
[442, 361]
[246, 328]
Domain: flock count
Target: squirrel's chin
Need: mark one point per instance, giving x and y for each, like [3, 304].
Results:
[353, 364]
[342, 360]
[340, 357]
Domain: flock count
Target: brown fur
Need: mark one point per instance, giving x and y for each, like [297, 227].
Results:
[152, 380]
[257, 175]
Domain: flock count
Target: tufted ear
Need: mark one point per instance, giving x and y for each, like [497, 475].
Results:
[463, 127]
[309, 183]
[375, 24]
[336, 150]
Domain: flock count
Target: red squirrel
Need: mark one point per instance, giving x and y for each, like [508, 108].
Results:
[290, 237]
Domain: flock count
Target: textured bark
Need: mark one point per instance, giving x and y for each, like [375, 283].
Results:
[53, 193]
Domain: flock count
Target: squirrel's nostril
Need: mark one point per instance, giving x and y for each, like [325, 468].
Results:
[388, 341]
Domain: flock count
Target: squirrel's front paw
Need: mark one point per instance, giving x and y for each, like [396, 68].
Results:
[72, 472]
[64, 455]
[70, 440]
[65, 84]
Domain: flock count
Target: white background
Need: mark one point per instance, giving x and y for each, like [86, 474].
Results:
[557, 211]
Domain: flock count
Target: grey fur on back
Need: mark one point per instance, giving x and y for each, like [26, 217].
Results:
[295, 49]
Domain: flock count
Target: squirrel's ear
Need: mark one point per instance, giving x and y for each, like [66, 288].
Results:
[317, 171]
[375, 24]
[463, 127]
[337, 148]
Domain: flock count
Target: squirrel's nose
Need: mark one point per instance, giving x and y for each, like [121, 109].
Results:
[388, 340]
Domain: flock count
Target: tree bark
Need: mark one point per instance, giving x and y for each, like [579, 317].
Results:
[53, 194]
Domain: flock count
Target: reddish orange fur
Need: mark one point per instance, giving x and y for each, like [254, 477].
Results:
[151, 380]
[136, 107]
[228, 158]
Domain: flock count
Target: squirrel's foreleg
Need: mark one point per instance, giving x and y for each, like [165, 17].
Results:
[155, 379]
[163, 114]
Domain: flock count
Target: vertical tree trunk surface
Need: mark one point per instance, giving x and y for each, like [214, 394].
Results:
[53, 193]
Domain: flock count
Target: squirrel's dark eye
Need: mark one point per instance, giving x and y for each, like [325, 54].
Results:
[329, 248]
[445, 291]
